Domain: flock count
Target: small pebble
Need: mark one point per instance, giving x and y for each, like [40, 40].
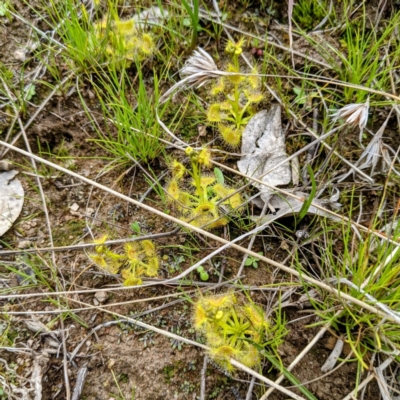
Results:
[24, 244]
[5, 165]
[20, 55]
[101, 297]
[89, 211]
[74, 207]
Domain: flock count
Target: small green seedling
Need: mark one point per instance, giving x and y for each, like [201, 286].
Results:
[303, 98]
[135, 227]
[4, 9]
[30, 92]
[203, 273]
[252, 261]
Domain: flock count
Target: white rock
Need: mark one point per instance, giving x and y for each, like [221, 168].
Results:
[101, 297]
[24, 244]
[20, 55]
[89, 212]
[74, 207]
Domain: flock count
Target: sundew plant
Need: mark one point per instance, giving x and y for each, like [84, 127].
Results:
[138, 260]
[123, 40]
[234, 96]
[197, 199]
[232, 329]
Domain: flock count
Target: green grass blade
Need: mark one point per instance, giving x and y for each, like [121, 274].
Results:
[288, 375]
[307, 203]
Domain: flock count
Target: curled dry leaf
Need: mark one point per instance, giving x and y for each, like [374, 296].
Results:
[11, 199]
[286, 206]
[263, 147]
[333, 357]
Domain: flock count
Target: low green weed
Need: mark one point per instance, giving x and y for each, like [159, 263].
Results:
[252, 261]
[361, 60]
[369, 270]
[365, 57]
[137, 131]
[204, 276]
[307, 14]
[194, 19]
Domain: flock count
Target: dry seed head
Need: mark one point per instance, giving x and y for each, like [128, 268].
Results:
[199, 68]
[353, 114]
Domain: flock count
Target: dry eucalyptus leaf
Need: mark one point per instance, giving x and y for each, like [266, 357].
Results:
[263, 147]
[11, 199]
